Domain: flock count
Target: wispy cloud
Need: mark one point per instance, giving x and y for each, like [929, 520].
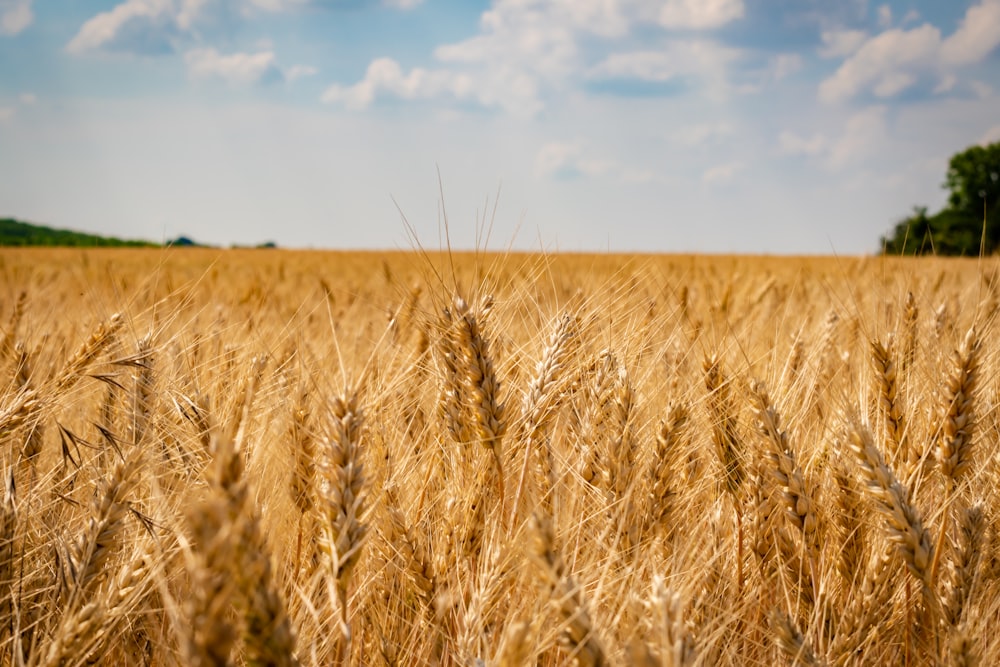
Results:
[385, 77]
[841, 43]
[402, 4]
[700, 14]
[790, 143]
[697, 63]
[895, 60]
[702, 133]
[572, 160]
[864, 134]
[991, 135]
[144, 26]
[234, 68]
[15, 16]
[722, 173]
[884, 16]
[296, 72]
[525, 52]
[566, 160]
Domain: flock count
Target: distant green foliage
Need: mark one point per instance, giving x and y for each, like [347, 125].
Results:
[973, 179]
[16, 233]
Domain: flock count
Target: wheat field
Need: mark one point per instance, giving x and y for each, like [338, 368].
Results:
[308, 458]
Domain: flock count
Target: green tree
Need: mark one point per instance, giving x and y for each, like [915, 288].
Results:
[973, 181]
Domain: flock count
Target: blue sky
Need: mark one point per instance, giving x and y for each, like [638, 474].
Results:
[758, 126]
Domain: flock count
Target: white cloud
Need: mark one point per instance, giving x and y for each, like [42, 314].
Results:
[526, 36]
[863, 135]
[6, 113]
[884, 16]
[981, 89]
[642, 65]
[702, 133]
[529, 51]
[882, 60]
[700, 14]
[235, 68]
[893, 83]
[976, 37]
[840, 43]
[573, 160]
[276, 5]
[296, 72]
[704, 61]
[784, 65]
[638, 176]
[521, 49]
[385, 76]
[15, 16]
[567, 160]
[895, 60]
[991, 135]
[723, 173]
[790, 143]
[402, 4]
[188, 12]
[945, 84]
[131, 22]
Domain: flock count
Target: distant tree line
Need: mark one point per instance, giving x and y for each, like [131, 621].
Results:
[970, 222]
[18, 233]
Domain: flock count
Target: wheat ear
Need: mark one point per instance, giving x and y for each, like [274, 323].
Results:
[482, 387]
[87, 559]
[888, 398]
[968, 553]
[541, 400]
[903, 521]
[10, 333]
[99, 340]
[791, 641]
[343, 505]
[662, 465]
[799, 497]
[578, 633]
[728, 444]
[955, 444]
